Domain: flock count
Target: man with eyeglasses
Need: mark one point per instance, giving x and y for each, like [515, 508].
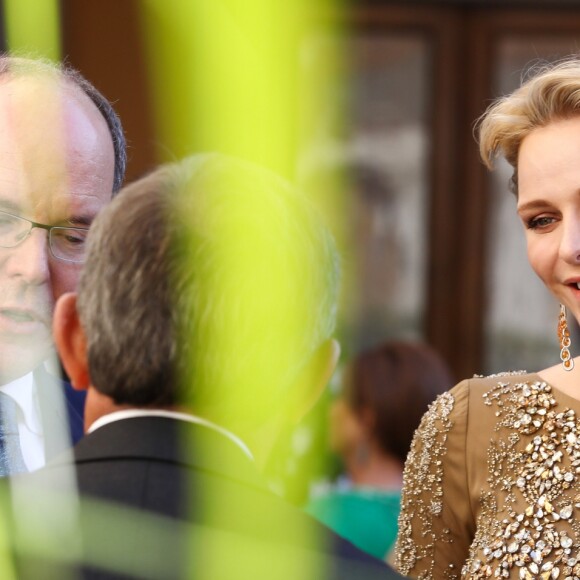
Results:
[62, 156]
[65, 243]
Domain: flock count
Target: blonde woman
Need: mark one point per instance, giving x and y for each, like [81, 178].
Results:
[492, 482]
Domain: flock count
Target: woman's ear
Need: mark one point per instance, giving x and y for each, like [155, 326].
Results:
[70, 340]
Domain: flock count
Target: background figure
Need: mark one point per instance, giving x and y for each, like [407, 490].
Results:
[386, 391]
[63, 157]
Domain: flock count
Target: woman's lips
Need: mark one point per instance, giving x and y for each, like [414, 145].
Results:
[572, 282]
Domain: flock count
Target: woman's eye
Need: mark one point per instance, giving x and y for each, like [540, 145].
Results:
[540, 222]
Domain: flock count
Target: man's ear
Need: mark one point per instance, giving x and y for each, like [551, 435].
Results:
[70, 340]
[313, 379]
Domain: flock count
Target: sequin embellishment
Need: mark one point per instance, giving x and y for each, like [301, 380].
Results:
[526, 517]
[423, 484]
[535, 532]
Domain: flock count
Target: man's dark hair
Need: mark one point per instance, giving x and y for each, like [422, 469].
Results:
[210, 281]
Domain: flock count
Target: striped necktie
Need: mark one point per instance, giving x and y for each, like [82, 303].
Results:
[11, 460]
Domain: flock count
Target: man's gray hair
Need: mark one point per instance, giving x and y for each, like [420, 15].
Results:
[210, 282]
[21, 66]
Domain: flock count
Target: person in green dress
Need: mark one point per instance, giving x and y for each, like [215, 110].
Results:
[386, 391]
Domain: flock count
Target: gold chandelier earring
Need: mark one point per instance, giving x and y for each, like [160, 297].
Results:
[564, 340]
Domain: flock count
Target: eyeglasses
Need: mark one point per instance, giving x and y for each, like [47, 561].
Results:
[67, 244]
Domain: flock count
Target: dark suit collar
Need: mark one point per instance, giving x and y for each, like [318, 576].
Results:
[170, 440]
[132, 413]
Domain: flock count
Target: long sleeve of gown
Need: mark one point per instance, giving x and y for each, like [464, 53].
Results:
[436, 524]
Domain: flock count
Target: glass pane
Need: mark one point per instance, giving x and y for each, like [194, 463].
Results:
[386, 151]
[372, 127]
[522, 314]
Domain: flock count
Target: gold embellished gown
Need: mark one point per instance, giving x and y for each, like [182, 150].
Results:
[492, 484]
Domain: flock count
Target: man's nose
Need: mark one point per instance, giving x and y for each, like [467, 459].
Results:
[29, 260]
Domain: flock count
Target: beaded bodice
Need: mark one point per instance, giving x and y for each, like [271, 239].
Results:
[520, 477]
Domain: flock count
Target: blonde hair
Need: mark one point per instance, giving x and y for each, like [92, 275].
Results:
[552, 93]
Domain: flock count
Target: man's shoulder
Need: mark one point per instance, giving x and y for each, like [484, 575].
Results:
[149, 470]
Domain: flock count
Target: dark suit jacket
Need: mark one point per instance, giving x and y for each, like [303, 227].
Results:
[215, 512]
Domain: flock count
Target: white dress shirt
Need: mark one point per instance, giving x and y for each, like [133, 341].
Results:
[23, 391]
[130, 413]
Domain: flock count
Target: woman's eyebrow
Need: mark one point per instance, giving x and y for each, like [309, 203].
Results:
[535, 204]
